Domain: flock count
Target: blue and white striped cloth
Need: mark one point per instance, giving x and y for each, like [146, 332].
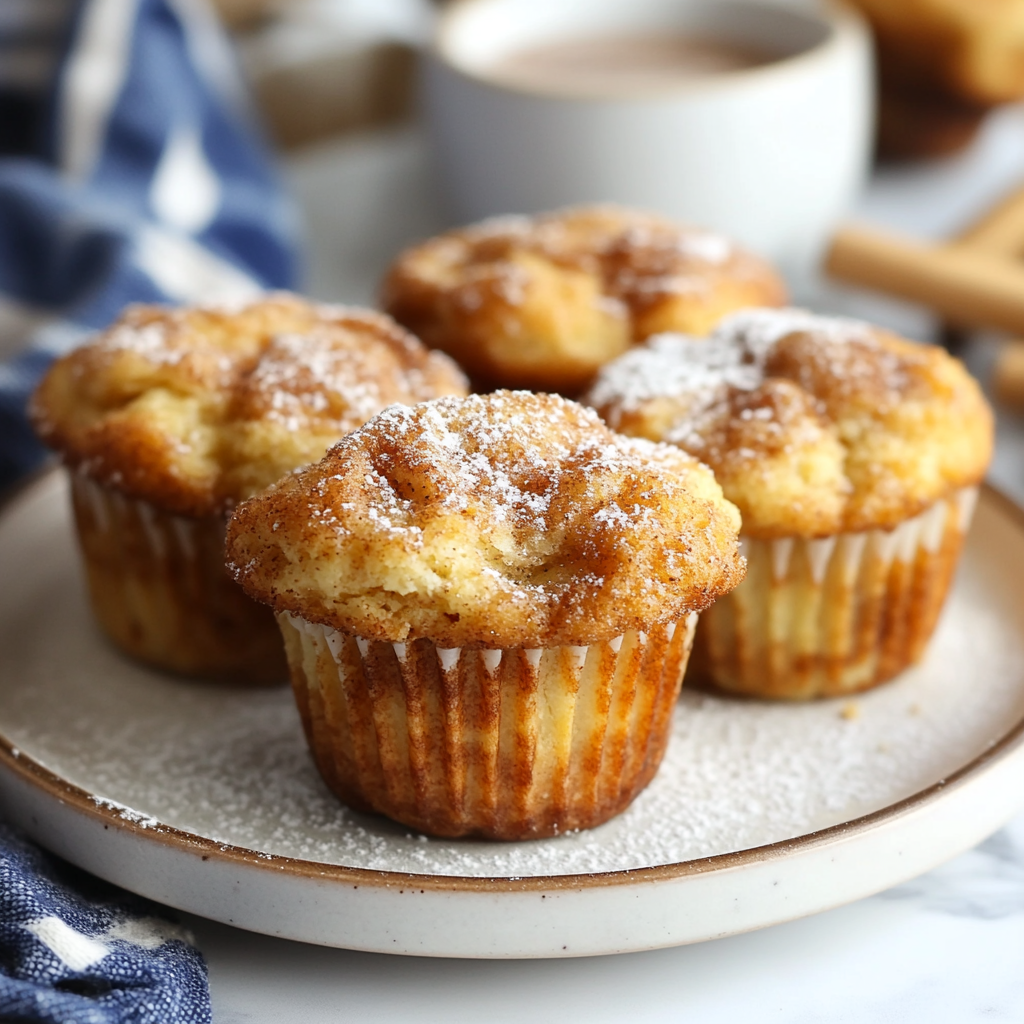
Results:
[74, 950]
[130, 170]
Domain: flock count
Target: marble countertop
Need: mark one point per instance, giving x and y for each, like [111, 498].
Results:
[947, 947]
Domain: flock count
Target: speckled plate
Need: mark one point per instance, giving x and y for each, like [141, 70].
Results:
[206, 799]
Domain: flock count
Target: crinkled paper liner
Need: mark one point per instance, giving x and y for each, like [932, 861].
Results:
[502, 744]
[820, 618]
[160, 590]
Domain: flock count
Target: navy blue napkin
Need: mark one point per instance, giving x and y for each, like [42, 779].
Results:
[130, 170]
[74, 950]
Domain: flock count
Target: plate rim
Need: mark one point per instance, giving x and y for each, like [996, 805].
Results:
[40, 778]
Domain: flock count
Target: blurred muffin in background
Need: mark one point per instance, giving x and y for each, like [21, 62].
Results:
[543, 302]
[943, 64]
[320, 68]
[171, 417]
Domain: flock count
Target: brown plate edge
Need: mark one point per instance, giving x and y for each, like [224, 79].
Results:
[42, 779]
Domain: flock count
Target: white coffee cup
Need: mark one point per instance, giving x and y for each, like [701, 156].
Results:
[771, 154]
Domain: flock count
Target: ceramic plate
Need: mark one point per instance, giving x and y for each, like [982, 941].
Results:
[205, 798]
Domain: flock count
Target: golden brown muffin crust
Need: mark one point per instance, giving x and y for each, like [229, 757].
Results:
[195, 409]
[813, 426]
[543, 302]
[497, 521]
[973, 50]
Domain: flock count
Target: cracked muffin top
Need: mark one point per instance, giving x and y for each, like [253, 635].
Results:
[544, 302]
[497, 521]
[813, 426]
[196, 409]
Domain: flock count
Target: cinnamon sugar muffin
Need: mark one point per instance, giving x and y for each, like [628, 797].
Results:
[942, 66]
[544, 302]
[854, 457]
[488, 604]
[171, 417]
[970, 50]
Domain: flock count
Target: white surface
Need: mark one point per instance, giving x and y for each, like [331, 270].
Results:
[771, 155]
[945, 949]
[231, 768]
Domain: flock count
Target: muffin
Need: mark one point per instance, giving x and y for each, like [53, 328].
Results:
[544, 302]
[942, 66]
[488, 604]
[854, 457]
[920, 124]
[969, 50]
[171, 417]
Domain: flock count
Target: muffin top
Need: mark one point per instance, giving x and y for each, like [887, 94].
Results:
[544, 302]
[969, 50]
[813, 426]
[497, 521]
[196, 409]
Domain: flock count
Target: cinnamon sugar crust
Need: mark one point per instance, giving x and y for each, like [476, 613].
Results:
[498, 521]
[813, 426]
[195, 409]
[544, 302]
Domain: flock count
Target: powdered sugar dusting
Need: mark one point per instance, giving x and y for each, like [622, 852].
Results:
[510, 453]
[221, 390]
[310, 375]
[126, 813]
[674, 365]
[759, 330]
[706, 246]
[670, 365]
[149, 340]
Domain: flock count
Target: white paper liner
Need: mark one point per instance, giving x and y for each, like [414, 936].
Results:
[169, 537]
[498, 743]
[160, 590]
[836, 614]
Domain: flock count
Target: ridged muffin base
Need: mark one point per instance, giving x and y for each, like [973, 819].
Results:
[160, 591]
[499, 744]
[836, 615]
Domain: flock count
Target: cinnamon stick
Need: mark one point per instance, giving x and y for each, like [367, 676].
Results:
[965, 284]
[1001, 230]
